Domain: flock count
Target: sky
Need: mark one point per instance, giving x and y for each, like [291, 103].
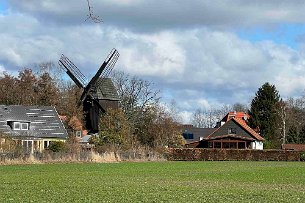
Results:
[199, 53]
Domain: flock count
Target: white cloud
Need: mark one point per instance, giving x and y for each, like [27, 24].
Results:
[185, 116]
[188, 50]
[124, 2]
[159, 14]
[153, 55]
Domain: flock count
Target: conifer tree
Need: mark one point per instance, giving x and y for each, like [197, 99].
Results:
[302, 135]
[293, 135]
[263, 113]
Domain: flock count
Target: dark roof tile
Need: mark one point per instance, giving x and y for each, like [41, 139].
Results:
[44, 121]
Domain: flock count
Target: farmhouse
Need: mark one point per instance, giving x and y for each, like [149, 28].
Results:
[232, 132]
[33, 127]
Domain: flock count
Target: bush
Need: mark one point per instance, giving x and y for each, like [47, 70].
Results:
[57, 146]
[7, 144]
[302, 156]
[271, 145]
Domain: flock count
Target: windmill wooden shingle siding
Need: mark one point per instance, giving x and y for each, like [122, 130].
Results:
[99, 94]
[106, 93]
[34, 127]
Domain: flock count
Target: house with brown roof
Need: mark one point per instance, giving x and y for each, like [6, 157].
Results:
[232, 132]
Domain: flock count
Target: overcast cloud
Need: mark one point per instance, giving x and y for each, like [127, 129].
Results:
[191, 50]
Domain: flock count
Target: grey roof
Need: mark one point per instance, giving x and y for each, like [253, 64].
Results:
[198, 132]
[44, 121]
[106, 89]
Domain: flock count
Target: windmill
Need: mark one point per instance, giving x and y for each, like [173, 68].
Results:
[98, 94]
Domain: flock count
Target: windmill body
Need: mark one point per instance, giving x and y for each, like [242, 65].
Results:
[99, 94]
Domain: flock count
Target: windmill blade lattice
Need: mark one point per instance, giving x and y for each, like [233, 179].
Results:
[111, 61]
[72, 71]
[108, 63]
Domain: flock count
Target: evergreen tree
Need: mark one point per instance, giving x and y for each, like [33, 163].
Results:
[263, 112]
[302, 135]
[293, 135]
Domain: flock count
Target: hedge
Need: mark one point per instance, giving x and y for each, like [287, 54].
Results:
[200, 154]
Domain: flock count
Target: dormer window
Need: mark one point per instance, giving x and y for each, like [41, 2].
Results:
[16, 126]
[20, 125]
[24, 126]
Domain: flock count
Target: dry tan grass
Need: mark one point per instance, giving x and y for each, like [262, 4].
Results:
[88, 157]
[104, 158]
[107, 157]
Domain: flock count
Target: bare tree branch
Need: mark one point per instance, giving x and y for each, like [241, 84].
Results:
[91, 15]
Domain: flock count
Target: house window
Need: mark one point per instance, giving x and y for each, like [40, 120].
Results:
[241, 145]
[78, 133]
[188, 135]
[232, 131]
[45, 144]
[20, 126]
[24, 126]
[27, 145]
[217, 144]
[16, 125]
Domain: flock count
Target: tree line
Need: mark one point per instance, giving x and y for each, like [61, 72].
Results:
[278, 121]
[141, 120]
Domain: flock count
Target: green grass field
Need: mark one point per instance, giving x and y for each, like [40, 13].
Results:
[154, 182]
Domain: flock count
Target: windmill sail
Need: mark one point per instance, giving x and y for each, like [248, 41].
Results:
[72, 71]
[106, 67]
[99, 94]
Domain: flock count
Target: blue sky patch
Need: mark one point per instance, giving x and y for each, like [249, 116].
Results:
[3, 6]
[287, 34]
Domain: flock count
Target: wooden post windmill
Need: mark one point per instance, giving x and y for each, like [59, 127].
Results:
[99, 94]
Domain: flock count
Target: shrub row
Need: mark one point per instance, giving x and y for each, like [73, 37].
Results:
[81, 156]
[199, 154]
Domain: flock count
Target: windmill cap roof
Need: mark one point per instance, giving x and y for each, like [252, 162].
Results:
[106, 89]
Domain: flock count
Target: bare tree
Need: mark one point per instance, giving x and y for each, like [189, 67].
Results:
[8, 91]
[7, 144]
[68, 100]
[240, 107]
[27, 83]
[135, 94]
[200, 119]
[282, 112]
[294, 118]
[165, 130]
[207, 118]
[153, 125]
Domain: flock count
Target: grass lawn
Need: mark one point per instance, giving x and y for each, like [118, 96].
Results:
[155, 182]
